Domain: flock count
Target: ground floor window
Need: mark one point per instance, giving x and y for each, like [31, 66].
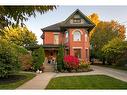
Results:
[87, 54]
[77, 53]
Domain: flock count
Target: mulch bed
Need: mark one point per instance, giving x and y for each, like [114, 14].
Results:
[12, 79]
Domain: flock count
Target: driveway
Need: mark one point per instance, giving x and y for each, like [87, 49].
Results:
[42, 80]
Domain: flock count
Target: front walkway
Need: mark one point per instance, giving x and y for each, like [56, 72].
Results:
[41, 80]
[38, 82]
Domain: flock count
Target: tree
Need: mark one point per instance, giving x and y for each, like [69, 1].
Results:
[17, 14]
[60, 59]
[104, 32]
[38, 58]
[19, 36]
[9, 63]
[114, 50]
[95, 19]
[118, 27]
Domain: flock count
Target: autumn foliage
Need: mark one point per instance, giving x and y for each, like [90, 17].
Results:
[71, 62]
[95, 19]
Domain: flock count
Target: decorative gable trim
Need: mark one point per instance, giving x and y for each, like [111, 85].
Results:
[83, 16]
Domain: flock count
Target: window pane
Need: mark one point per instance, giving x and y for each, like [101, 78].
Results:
[66, 36]
[77, 53]
[76, 20]
[56, 39]
[77, 36]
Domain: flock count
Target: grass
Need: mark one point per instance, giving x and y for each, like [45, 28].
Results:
[14, 81]
[113, 66]
[86, 82]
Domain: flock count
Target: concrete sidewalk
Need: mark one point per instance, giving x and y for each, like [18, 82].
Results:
[38, 82]
[42, 80]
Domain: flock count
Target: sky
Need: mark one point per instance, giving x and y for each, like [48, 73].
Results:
[106, 13]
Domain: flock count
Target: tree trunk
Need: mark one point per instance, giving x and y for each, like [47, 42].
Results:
[109, 62]
[103, 61]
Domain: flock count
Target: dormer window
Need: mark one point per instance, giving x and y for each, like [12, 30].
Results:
[76, 20]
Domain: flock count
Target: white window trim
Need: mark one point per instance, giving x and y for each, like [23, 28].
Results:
[57, 33]
[77, 47]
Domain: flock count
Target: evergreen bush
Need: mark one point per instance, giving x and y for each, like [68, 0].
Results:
[38, 58]
[60, 58]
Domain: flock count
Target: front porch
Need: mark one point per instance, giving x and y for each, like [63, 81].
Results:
[51, 51]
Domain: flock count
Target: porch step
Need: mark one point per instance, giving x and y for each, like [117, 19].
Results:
[48, 67]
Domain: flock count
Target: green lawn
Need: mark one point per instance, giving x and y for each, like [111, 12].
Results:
[86, 82]
[14, 81]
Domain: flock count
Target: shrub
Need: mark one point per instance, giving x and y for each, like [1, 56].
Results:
[24, 57]
[71, 62]
[84, 65]
[26, 62]
[38, 58]
[8, 59]
[60, 57]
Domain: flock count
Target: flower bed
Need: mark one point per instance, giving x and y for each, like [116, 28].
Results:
[73, 64]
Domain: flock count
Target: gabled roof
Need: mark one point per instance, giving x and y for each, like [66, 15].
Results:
[88, 21]
[65, 24]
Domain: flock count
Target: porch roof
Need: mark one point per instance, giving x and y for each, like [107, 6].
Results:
[51, 46]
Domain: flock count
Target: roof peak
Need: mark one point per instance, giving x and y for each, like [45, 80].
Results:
[66, 23]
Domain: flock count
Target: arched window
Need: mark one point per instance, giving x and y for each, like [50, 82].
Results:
[77, 36]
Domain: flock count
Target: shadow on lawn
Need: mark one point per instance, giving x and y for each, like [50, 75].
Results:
[12, 79]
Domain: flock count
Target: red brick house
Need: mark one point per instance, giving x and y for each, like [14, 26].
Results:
[72, 33]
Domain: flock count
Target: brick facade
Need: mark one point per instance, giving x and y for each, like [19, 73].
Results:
[78, 40]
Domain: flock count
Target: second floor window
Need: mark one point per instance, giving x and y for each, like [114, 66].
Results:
[77, 36]
[86, 37]
[66, 36]
[56, 39]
